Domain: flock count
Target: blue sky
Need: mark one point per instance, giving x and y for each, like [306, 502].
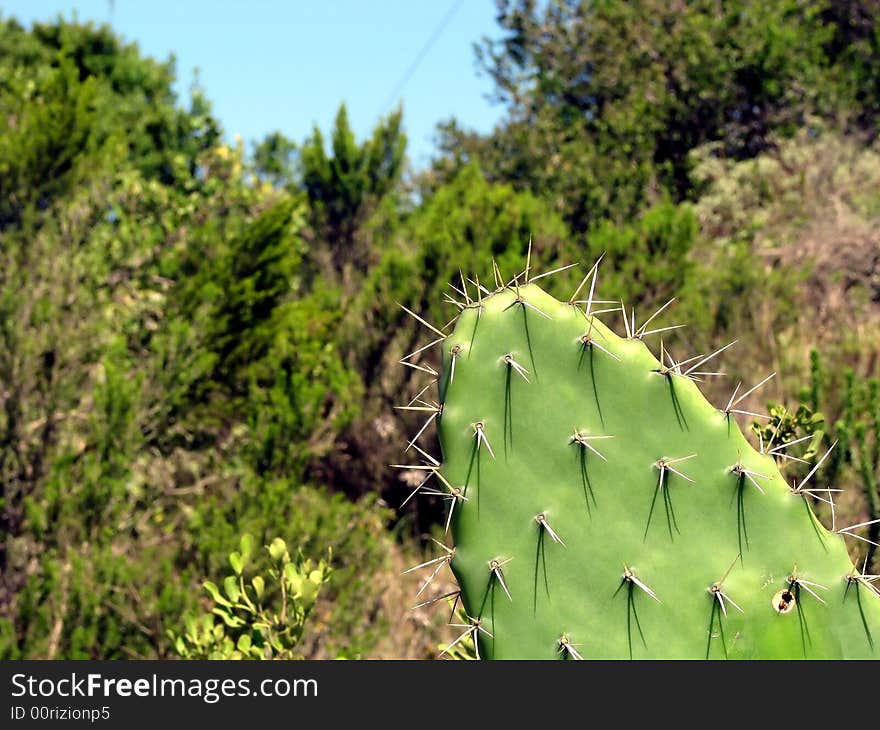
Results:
[287, 64]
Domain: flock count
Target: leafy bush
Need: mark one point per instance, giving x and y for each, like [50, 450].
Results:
[259, 618]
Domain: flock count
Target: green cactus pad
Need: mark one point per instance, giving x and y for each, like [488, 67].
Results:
[597, 498]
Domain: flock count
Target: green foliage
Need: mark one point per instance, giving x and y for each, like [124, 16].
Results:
[606, 99]
[273, 159]
[166, 377]
[47, 133]
[131, 97]
[260, 616]
[344, 188]
[651, 259]
[602, 508]
[852, 424]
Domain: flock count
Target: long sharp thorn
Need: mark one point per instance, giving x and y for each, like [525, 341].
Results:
[709, 357]
[554, 271]
[732, 602]
[567, 647]
[573, 298]
[453, 320]
[450, 300]
[445, 481]
[499, 280]
[421, 392]
[518, 369]
[528, 261]
[606, 351]
[816, 467]
[859, 537]
[790, 443]
[680, 459]
[754, 388]
[542, 522]
[423, 368]
[593, 284]
[423, 348]
[467, 633]
[641, 331]
[451, 510]
[480, 288]
[532, 306]
[471, 629]
[430, 578]
[421, 431]
[661, 329]
[730, 402]
[748, 476]
[453, 355]
[683, 476]
[625, 320]
[422, 321]
[467, 298]
[416, 490]
[438, 598]
[593, 449]
[480, 433]
[495, 569]
[427, 563]
[790, 458]
[861, 524]
[749, 413]
[426, 455]
[644, 587]
[806, 586]
[729, 569]
[455, 288]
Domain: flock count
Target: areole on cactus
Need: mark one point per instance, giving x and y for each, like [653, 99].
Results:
[601, 507]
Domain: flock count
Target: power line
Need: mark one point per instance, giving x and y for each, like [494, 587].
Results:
[411, 69]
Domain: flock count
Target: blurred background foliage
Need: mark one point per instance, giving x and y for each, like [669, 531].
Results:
[200, 341]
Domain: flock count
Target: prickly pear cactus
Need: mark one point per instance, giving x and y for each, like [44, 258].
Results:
[601, 507]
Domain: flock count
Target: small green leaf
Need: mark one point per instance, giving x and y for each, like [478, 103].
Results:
[247, 545]
[230, 585]
[259, 585]
[231, 621]
[244, 643]
[215, 594]
[277, 549]
[294, 579]
[237, 562]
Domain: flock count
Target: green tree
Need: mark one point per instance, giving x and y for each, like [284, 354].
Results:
[605, 99]
[131, 97]
[345, 187]
[274, 160]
